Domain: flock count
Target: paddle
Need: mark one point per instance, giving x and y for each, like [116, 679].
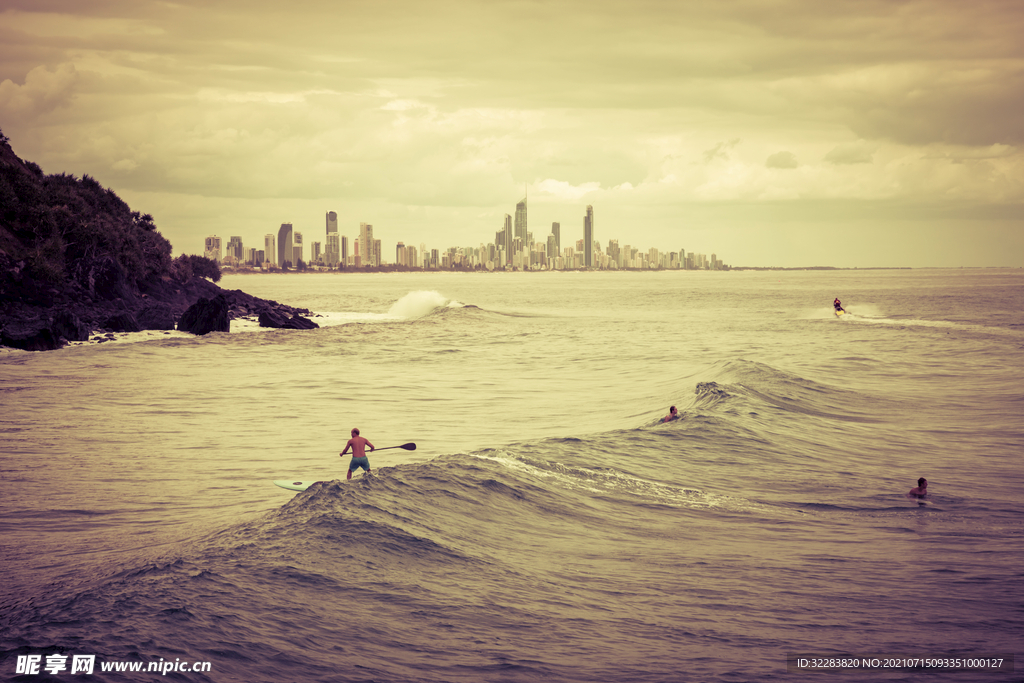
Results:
[406, 446]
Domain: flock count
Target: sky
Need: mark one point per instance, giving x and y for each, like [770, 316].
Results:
[788, 133]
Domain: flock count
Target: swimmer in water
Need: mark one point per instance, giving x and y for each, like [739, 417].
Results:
[921, 491]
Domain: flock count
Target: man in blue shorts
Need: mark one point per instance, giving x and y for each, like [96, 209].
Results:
[358, 445]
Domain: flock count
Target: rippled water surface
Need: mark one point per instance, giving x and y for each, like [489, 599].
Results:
[548, 526]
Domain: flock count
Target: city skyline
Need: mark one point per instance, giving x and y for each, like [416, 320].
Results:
[525, 252]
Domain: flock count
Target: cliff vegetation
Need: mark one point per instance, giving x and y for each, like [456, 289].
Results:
[75, 258]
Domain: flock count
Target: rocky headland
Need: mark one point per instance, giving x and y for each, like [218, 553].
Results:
[76, 261]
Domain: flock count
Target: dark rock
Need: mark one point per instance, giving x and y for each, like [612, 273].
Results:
[272, 318]
[92, 298]
[156, 316]
[205, 316]
[122, 322]
[30, 335]
[66, 324]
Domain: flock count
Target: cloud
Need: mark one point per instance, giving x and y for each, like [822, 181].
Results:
[782, 160]
[127, 165]
[43, 91]
[720, 151]
[563, 190]
[859, 152]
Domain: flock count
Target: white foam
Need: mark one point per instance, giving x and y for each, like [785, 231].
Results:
[420, 303]
[860, 311]
[411, 306]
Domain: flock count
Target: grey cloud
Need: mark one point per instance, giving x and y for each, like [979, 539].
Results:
[782, 160]
[720, 151]
[960, 104]
[854, 153]
[43, 91]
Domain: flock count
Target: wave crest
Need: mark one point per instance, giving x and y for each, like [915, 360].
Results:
[420, 303]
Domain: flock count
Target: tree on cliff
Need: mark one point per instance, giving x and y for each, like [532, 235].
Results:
[192, 265]
[53, 223]
[74, 258]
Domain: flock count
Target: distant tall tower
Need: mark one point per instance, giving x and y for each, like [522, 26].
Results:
[297, 248]
[366, 244]
[588, 238]
[521, 221]
[556, 230]
[332, 250]
[236, 249]
[332, 222]
[285, 250]
[213, 248]
[508, 239]
[270, 248]
[343, 256]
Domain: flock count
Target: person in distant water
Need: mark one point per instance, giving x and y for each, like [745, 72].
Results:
[921, 491]
[358, 445]
[838, 305]
[673, 414]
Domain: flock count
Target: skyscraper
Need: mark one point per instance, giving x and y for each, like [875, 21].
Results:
[331, 246]
[508, 239]
[236, 249]
[588, 237]
[556, 230]
[285, 251]
[366, 244]
[270, 248]
[297, 248]
[332, 250]
[521, 221]
[213, 248]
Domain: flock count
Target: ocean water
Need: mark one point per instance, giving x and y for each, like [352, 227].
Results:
[548, 527]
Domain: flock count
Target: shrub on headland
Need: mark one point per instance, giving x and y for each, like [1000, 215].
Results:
[75, 258]
[188, 266]
[52, 222]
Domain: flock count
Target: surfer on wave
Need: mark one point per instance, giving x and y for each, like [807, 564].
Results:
[358, 445]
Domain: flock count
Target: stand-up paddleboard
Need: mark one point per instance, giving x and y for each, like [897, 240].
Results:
[296, 485]
[302, 485]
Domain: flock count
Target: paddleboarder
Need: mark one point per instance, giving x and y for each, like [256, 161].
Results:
[358, 445]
